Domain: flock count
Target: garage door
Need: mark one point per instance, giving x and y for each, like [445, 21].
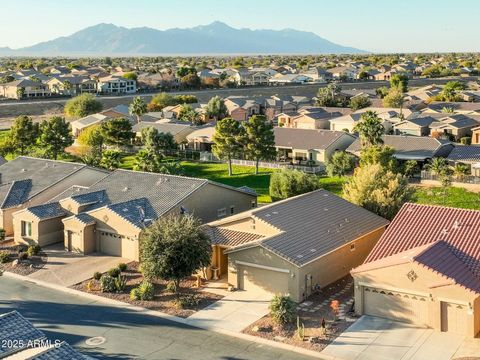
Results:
[257, 279]
[454, 318]
[118, 245]
[395, 305]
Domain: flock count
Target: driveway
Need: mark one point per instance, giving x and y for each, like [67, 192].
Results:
[234, 312]
[67, 269]
[372, 338]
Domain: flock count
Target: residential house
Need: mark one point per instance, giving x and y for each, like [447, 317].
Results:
[455, 126]
[24, 89]
[110, 215]
[447, 108]
[417, 126]
[308, 117]
[201, 139]
[417, 148]
[344, 73]
[295, 246]
[475, 135]
[390, 116]
[177, 130]
[425, 270]
[71, 85]
[27, 181]
[317, 75]
[282, 79]
[302, 146]
[81, 124]
[241, 108]
[114, 84]
[469, 155]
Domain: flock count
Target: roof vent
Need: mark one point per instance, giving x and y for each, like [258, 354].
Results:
[23, 170]
[456, 225]
[346, 220]
[159, 182]
[299, 256]
[444, 232]
[125, 189]
[267, 215]
[275, 212]
[313, 250]
[125, 209]
[325, 209]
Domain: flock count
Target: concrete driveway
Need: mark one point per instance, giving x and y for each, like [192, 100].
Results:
[67, 269]
[372, 338]
[234, 312]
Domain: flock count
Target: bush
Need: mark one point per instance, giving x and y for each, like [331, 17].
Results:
[283, 309]
[144, 291]
[107, 283]
[171, 288]
[287, 183]
[22, 256]
[466, 140]
[97, 275]
[33, 250]
[114, 272]
[135, 294]
[120, 283]
[122, 267]
[21, 248]
[82, 105]
[340, 164]
[187, 301]
[5, 257]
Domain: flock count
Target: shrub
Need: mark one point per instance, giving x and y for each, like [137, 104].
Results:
[466, 140]
[21, 248]
[22, 256]
[33, 250]
[5, 257]
[287, 183]
[120, 283]
[282, 309]
[114, 272]
[107, 283]
[122, 267]
[97, 275]
[187, 301]
[171, 288]
[135, 294]
[90, 286]
[144, 291]
[2, 234]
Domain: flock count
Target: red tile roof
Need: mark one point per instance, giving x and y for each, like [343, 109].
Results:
[418, 225]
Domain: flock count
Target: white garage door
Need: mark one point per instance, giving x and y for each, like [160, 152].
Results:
[256, 279]
[454, 318]
[395, 305]
[118, 245]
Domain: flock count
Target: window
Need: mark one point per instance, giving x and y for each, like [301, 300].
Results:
[221, 212]
[232, 210]
[254, 203]
[352, 247]
[26, 228]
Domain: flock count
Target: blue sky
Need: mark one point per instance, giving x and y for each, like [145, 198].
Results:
[374, 25]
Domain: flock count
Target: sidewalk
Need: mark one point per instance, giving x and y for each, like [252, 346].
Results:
[199, 324]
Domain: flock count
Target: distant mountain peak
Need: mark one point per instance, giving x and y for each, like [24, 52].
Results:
[214, 38]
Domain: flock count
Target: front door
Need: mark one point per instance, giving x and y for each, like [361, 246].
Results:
[69, 241]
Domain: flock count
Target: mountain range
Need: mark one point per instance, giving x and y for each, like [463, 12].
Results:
[215, 38]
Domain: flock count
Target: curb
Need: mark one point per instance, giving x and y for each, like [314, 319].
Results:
[174, 318]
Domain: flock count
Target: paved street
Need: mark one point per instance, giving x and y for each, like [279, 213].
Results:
[129, 334]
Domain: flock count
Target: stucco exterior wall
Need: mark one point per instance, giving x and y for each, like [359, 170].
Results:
[395, 278]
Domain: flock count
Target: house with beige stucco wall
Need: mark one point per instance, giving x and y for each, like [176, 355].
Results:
[27, 181]
[425, 270]
[316, 146]
[110, 215]
[295, 246]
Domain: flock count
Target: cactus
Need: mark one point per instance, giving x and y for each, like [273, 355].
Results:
[300, 329]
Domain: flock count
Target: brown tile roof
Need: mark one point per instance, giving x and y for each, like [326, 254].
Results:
[228, 237]
[306, 139]
[419, 225]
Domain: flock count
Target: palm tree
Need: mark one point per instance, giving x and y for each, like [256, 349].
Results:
[438, 166]
[138, 107]
[370, 129]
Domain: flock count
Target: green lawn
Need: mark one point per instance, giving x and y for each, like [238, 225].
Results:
[452, 197]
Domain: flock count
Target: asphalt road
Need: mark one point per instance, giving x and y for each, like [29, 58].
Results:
[129, 334]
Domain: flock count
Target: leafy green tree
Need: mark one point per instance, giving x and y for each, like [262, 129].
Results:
[359, 102]
[166, 141]
[370, 129]
[329, 95]
[173, 248]
[55, 136]
[379, 154]
[117, 132]
[23, 133]
[160, 101]
[185, 70]
[287, 183]
[187, 113]
[410, 168]
[450, 92]
[111, 159]
[382, 92]
[399, 81]
[378, 190]
[259, 140]
[191, 81]
[150, 139]
[228, 140]
[130, 76]
[6, 79]
[82, 105]
[137, 107]
[340, 164]
[216, 108]
[394, 98]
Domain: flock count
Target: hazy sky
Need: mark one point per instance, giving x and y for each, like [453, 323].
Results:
[373, 25]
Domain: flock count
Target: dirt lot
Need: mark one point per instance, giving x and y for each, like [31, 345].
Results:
[311, 313]
[163, 300]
